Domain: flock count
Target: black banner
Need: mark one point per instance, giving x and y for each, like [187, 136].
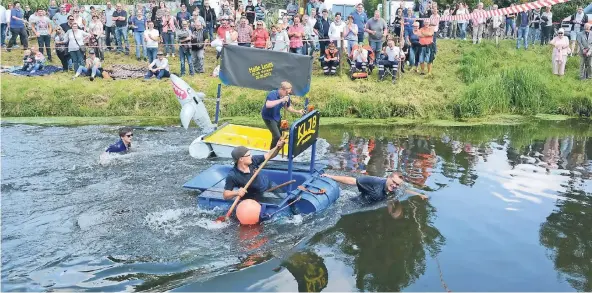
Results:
[304, 132]
[264, 69]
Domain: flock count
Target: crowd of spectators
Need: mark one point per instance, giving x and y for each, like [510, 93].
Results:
[81, 38]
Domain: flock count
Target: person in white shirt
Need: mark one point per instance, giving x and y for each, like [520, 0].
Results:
[159, 67]
[336, 30]
[3, 25]
[462, 23]
[392, 56]
[151, 38]
[359, 58]
[75, 39]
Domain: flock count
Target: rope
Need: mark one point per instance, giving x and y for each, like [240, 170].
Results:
[434, 256]
[321, 190]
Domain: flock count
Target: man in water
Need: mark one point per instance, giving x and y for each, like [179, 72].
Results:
[376, 188]
[245, 166]
[124, 143]
[271, 111]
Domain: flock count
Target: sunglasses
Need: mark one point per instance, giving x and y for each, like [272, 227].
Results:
[130, 135]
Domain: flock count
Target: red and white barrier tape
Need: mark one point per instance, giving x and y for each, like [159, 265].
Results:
[498, 12]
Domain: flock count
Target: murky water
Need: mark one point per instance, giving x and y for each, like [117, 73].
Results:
[509, 210]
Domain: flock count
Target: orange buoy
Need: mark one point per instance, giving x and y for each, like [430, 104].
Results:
[248, 211]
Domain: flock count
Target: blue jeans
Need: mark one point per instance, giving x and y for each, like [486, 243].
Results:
[360, 36]
[412, 53]
[462, 31]
[298, 50]
[151, 53]
[376, 46]
[522, 36]
[185, 54]
[44, 41]
[535, 34]
[169, 42]
[159, 74]
[350, 45]
[509, 25]
[121, 37]
[210, 30]
[3, 34]
[94, 72]
[425, 54]
[139, 38]
[77, 59]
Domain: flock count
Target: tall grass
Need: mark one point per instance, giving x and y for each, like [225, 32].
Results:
[468, 81]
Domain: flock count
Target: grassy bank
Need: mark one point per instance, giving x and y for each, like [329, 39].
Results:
[469, 81]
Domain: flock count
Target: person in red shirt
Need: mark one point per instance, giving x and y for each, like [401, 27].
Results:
[296, 33]
[260, 36]
[223, 29]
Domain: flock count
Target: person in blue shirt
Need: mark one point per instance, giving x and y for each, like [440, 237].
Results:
[271, 111]
[360, 19]
[124, 143]
[245, 166]
[17, 27]
[374, 188]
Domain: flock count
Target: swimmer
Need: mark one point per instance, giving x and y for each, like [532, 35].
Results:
[374, 188]
[124, 143]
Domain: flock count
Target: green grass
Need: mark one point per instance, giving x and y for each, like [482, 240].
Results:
[469, 81]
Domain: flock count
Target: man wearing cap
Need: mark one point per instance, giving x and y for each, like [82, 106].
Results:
[245, 165]
[271, 111]
[92, 67]
[159, 67]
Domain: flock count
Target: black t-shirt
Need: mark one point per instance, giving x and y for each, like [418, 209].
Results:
[372, 188]
[236, 178]
[250, 13]
[120, 23]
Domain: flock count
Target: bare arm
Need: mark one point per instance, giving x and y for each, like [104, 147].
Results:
[294, 111]
[271, 104]
[416, 193]
[270, 154]
[341, 179]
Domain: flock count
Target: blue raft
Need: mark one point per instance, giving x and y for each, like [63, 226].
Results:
[310, 193]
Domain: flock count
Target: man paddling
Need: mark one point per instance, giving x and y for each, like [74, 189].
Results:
[271, 111]
[374, 188]
[244, 167]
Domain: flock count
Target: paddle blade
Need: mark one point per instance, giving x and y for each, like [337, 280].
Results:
[220, 219]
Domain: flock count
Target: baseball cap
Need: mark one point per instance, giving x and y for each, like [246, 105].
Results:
[238, 152]
[91, 51]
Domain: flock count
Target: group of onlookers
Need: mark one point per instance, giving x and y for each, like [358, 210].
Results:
[190, 30]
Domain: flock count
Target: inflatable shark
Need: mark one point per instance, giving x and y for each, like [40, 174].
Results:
[193, 108]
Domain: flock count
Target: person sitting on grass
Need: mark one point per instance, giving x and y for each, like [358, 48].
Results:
[159, 67]
[28, 60]
[34, 61]
[374, 188]
[124, 143]
[331, 59]
[92, 67]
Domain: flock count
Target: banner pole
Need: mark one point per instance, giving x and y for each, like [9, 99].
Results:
[218, 103]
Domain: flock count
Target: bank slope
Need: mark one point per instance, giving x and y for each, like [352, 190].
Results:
[468, 81]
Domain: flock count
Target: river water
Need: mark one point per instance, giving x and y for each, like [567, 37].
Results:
[510, 209]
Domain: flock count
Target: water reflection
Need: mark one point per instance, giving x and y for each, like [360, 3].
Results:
[388, 254]
[309, 270]
[567, 233]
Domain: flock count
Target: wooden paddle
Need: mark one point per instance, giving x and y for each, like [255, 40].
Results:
[225, 218]
[269, 190]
